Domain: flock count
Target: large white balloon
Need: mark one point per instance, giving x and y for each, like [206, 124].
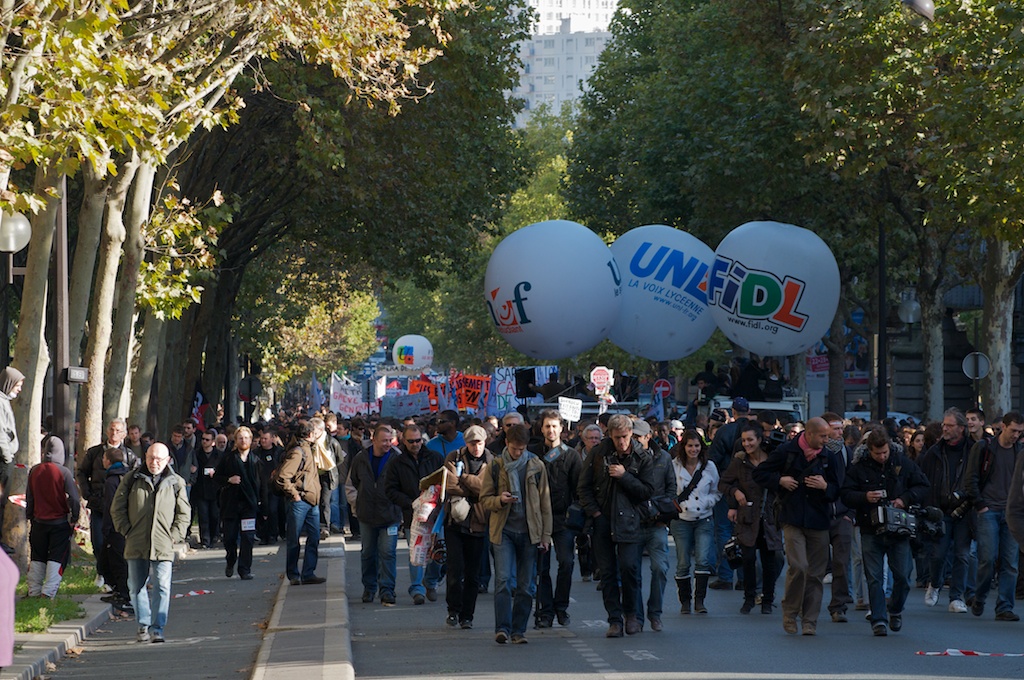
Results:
[773, 288]
[553, 289]
[412, 351]
[664, 313]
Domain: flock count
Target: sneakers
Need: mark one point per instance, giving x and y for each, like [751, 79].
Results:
[789, 625]
[810, 628]
[827, 579]
[419, 599]
[143, 634]
[157, 638]
[387, 599]
[748, 606]
[466, 624]
[367, 596]
[1007, 615]
[501, 637]
[518, 639]
[839, 617]
[432, 594]
[452, 620]
[931, 596]
[656, 625]
[542, 623]
[878, 630]
[895, 622]
[957, 607]
[766, 607]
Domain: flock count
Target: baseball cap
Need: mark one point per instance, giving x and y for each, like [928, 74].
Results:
[718, 416]
[676, 424]
[641, 427]
[475, 433]
[741, 405]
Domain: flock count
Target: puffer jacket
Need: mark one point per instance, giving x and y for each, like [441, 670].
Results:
[618, 499]
[365, 492]
[151, 513]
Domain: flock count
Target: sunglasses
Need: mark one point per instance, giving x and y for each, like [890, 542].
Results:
[414, 441]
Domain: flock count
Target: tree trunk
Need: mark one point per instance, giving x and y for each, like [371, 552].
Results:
[102, 308]
[837, 362]
[31, 356]
[171, 381]
[153, 331]
[999, 276]
[87, 244]
[217, 345]
[933, 358]
[127, 283]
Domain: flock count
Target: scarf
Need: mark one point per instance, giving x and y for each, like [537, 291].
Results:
[512, 467]
[809, 453]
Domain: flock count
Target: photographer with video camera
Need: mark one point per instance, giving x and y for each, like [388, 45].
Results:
[875, 486]
[944, 465]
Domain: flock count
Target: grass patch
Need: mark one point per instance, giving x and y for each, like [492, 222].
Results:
[36, 614]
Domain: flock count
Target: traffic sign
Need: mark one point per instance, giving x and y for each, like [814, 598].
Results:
[662, 387]
[976, 365]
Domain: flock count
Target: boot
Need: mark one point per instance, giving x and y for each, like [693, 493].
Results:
[36, 572]
[54, 574]
[685, 591]
[700, 593]
[748, 605]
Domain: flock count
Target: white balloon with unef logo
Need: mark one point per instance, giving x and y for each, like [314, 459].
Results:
[773, 288]
[664, 312]
[412, 351]
[553, 289]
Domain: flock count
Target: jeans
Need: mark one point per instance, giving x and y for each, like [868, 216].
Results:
[723, 532]
[464, 555]
[875, 548]
[515, 557]
[421, 578]
[996, 543]
[377, 556]
[556, 601]
[238, 545]
[141, 572]
[619, 564]
[656, 543]
[694, 539]
[302, 518]
[957, 535]
[337, 521]
[807, 554]
[841, 538]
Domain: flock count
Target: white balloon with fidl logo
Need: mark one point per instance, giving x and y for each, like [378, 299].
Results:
[553, 289]
[773, 288]
[413, 352]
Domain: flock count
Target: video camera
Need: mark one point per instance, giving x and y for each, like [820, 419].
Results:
[914, 522]
[774, 440]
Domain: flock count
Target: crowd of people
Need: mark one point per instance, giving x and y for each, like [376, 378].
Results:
[870, 509]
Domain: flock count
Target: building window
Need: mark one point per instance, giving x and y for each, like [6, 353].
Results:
[549, 44]
[588, 42]
[549, 80]
[549, 61]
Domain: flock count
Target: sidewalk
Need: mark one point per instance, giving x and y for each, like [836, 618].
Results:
[307, 635]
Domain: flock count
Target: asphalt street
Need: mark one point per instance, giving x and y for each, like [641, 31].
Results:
[408, 641]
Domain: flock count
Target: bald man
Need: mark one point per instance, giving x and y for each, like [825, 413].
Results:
[804, 476]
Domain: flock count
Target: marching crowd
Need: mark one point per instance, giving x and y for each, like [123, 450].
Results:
[867, 508]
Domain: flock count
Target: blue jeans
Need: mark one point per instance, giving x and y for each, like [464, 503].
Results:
[551, 601]
[140, 572]
[302, 518]
[514, 558]
[875, 548]
[656, 542]
[421, 578]
[723, 532]
[377, 557]
[957, 535]
[337, 520]
[996, 543]
[694, 539]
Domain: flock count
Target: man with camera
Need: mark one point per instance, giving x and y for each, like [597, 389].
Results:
[805, 478]
[944, 465]
[881, 487]
[987, 483]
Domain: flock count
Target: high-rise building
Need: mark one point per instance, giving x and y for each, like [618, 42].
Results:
[586, 15]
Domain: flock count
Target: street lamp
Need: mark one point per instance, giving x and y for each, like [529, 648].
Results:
[920, 9]
[15, 233]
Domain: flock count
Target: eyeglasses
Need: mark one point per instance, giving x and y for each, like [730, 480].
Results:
[414, 441]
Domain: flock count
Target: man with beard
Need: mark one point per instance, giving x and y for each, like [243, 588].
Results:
[238, 476]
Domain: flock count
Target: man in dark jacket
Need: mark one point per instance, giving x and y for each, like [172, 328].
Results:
[238, 476]
[271, 520]
[944, 465]
[655, 532]
[402, 486]
[805, 479]
[113, 548]
[379, 518]
[617, 477]
[987, 483]
[205, 490]
[877, 480]
[563, 464]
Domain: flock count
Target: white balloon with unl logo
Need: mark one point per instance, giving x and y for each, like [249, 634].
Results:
[412, 351]
[552, 289]
[773, 288]
[664, 312]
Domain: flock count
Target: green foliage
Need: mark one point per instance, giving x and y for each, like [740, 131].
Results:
[37, 614]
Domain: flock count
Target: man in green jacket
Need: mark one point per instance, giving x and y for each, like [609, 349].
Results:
[151, 511]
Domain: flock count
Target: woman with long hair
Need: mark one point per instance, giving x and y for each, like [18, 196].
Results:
[693, 530]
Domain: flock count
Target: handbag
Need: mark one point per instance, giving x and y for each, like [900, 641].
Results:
[575, 518]
[460, 509]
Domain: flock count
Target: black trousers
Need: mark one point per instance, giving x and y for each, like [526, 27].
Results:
[463, 579]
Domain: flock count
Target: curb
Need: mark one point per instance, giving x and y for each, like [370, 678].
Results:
[38, 650]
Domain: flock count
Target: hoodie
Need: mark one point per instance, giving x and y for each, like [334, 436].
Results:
[9, 444]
